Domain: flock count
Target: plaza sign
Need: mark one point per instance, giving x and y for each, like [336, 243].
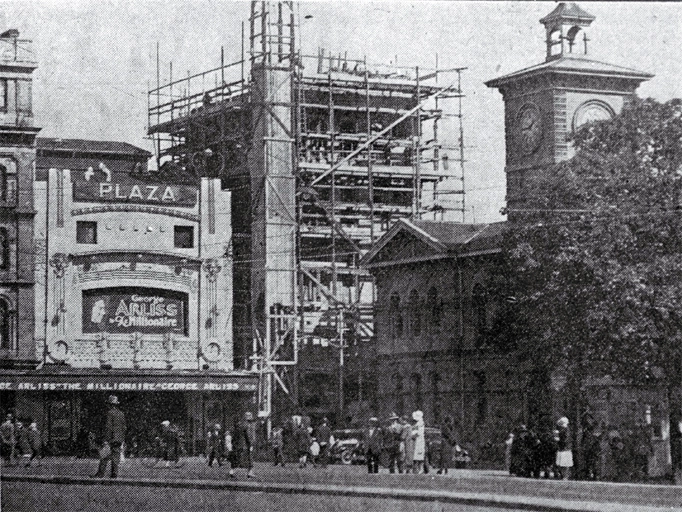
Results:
[130, 190]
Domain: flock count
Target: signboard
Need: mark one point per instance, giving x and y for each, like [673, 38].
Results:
[129, 310]
[126, 383]
[100, 186]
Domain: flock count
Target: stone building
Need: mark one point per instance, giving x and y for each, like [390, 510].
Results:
[134, 297]
[17, 156]
[434, 313]
[434, 317]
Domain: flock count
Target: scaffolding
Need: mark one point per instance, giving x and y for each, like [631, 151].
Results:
[323, 154]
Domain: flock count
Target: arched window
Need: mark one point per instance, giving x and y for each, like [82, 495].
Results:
[396, 320]
[479, 306]
[573, 38]
[415, 313]
[398, 392]
[434, 305]
[5, 325]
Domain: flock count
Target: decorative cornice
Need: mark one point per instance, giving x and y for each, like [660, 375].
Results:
[169, 212]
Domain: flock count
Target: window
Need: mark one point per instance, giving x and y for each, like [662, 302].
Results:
[481, 397]
[5, 323]
[86, 232]
[184, 237]
[4, 249]
[435, 390]
[433, 302]
[24, 93]
[479, 305]
[3, 95]
[399, 395]
[416, 313]
[3, 183]
[417, 388]
[396, 320]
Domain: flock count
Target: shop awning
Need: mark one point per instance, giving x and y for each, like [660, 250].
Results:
[69, 379]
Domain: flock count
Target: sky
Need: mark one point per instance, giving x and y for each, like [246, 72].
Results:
[97, 59]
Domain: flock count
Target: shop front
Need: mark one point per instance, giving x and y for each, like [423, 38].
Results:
[70, 404]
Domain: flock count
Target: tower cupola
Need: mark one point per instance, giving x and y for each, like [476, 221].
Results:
[565, 31]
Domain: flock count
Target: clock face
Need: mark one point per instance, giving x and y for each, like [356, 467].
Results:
[529, 128]
[590, 112]
[212, 351]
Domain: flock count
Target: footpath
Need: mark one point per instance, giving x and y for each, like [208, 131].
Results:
[467, 487]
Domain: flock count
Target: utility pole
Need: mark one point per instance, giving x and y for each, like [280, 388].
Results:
[339, 323]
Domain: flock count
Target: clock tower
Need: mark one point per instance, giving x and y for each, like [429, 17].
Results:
[546, 102]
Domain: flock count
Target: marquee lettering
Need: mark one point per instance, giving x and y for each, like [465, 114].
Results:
[139, 192]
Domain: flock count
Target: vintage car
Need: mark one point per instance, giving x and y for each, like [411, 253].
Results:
[347, 447]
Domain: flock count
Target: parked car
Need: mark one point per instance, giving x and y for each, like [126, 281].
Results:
[347, 447]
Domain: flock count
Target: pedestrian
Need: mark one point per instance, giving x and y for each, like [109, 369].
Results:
[592, 441]
[564, 455]
[23, 445]
[373, 445]
[419, 436]
[302, 440]
[247, 437]
[114, 435]
[392, 444]
[229, 451]
[508, 452]
[7, 434]
[277, 444]
[170, 443]
[324, 437]
[314, 451]
[447, 444]
[407, 444]
[35, 443]
[214, 442]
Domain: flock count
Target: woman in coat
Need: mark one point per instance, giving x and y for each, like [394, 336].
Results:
[406, 444]
[564, 455]
[448, 442]
[419, 436]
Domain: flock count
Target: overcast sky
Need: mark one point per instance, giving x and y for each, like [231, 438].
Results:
[96, 58]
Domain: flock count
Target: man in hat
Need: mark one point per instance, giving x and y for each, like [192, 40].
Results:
[114, 435]
[214, 442]
[247, 441]
[324, 438]
[392, 439]
[373, 444]
[8, 435]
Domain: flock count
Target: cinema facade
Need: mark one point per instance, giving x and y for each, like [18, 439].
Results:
[133, 297]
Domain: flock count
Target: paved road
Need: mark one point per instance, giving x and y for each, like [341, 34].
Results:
[465, 482]
[30, 497]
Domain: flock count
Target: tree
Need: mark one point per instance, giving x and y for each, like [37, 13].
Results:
[593, 267]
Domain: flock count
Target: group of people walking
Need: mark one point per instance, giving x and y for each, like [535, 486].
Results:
[405, 446]
[298, 439]
[234, 448]
[547, 453]
[19, 442]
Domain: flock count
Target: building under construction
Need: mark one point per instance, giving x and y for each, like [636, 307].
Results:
[323, 153]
